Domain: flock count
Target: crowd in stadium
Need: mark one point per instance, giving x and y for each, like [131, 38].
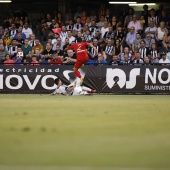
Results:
[126, 39]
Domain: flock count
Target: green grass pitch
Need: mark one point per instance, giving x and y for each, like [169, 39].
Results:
[99, 132]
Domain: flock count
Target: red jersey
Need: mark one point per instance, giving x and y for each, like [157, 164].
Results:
[80, 49]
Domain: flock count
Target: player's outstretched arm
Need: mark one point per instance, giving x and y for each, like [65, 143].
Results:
[72, 87]
[91, 45]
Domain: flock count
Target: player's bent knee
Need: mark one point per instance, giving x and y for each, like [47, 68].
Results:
[75, 69]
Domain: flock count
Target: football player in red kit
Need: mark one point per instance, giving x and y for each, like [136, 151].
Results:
[80, 49]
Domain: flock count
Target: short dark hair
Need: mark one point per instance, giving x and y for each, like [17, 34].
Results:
[79, 39]
[56, 81]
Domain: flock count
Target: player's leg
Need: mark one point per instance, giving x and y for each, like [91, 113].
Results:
[88, 89]
[77, 65]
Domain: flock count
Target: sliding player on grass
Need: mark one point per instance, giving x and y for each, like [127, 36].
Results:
[71, 89]
[80, 49]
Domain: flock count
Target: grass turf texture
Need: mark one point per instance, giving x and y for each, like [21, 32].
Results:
[100, 132]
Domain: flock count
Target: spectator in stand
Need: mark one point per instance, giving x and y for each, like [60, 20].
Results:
[158, 11]
[147, 61]
[34, 61]
[70, 36]
[97, 36]
[19, 39]
[3, 53]
[59, 18]
[92, 53]
[54, 38]
[53, 24]
[7, 37]
[26, 30]
[128, 17]
[152, 17]
[130, 37]
[63, 34]
[142, 22]
[145, 13]
[19, 30]
[109, 35]
[66, 46]
[160, 33]
[59, 43]
[47, 53]
[104, 29]
[151, 29]
[68, 15]
[2, 42]
[79, 34]
[143, 50]
[93, 29]
[59, 52]
[100, 24]
[108, 51]
[118, 49]
[45, 31]
[138, 59]
[88, 21]
[126, 51]
[18, 57]
[93, 15]
[26, 48]
[70, 25]
[48, 19]
[126, 60]
[114, 23]
[37, 46]
[1, 31]
[155, 55]
[101, 60]
[149, 41]
[77, 26]
[8, 61]
[166, 41]
[83, 18]
[13, 30]
[32, 40]
[115, 60]
[164, 60]
[136, 43]
[87, 36]
[70, 57]
[164, 17]
[135, 23]
[13, 48]
[78, 13]
[119, 34]
[38, 56]
[26, 20]
[108, 17]
[55, 60]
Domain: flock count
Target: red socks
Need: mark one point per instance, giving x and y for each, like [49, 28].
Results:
[77, 73]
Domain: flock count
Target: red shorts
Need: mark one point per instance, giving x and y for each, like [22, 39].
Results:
[80, 62]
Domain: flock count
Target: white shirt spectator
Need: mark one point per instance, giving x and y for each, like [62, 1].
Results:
[27, 32]
[161, 61]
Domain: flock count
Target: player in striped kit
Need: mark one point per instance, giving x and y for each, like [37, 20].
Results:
[71, 89]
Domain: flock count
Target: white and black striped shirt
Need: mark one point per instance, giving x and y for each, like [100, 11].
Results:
[12, 50]
[109, 49]
[143, 52]
[93, 52]
[69, 27]
[87, 37]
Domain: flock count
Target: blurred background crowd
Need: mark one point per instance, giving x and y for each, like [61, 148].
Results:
[126, 37]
